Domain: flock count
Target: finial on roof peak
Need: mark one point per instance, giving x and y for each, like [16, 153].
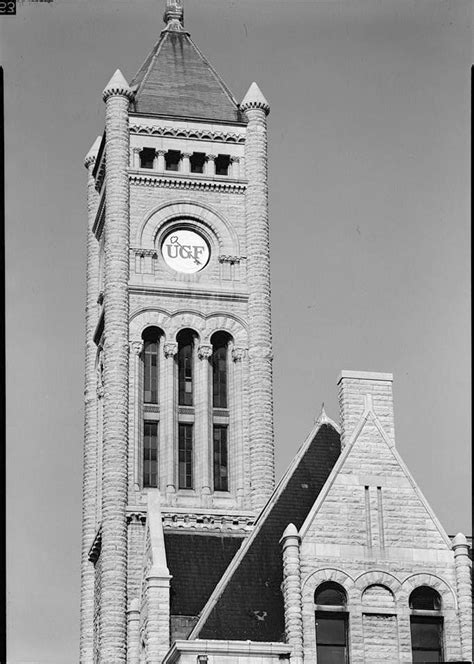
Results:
[255, 99]
[322, 417]
[174, 15]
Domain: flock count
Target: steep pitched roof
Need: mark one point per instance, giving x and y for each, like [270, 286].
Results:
[176, 80]
[247, 603]
[196, 563]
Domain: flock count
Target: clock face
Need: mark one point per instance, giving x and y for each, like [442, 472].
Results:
[185, 251]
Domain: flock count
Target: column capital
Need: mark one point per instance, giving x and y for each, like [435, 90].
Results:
[170, 349]
[161, 152]
[234, 159]
[238, 354]
[136, 347]
[204, 351]
[211, 157]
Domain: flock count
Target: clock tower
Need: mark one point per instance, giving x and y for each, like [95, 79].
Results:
[178, 390]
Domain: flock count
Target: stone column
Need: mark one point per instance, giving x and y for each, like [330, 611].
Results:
[136, 158]
[203, 440]
[211, 164]
[185, 163]
[168, 417]
[259, 307]
[160, 161]
[133, 640]
[236, 438]
[113, 626]
[235, 170]
[158, 622]
[89, 485]
[462, 565]
[136, 348]
[291, 589]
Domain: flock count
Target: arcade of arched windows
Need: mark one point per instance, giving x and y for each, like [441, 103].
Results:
[347, 620]
[186, 415]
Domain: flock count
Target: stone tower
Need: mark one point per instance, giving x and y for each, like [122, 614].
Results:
[178, 387]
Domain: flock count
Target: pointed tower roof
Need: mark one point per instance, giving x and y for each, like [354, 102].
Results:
[176, 79]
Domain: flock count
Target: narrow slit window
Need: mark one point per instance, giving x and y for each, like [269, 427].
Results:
[222, 164]
[172, 159]
[219, 370]
[185, 456]
[150, 365]
[150, 454]
[147, 158]
[197, 161]
[185, 368]
[221, 480]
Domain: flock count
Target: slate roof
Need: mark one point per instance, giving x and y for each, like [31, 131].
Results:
[176, 80]
[196, 563]
[249, 604]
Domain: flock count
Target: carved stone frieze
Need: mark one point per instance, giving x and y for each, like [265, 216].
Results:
[181, 132]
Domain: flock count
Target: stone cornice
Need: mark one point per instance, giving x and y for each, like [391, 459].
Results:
[203, 521]
[183, 182]
[182, 132]
[187, 293]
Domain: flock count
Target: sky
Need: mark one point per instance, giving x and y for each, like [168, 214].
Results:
[369, 215]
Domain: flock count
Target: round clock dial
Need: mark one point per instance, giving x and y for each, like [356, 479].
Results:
[185, 251]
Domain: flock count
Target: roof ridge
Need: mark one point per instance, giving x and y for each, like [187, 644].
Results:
[218, 78]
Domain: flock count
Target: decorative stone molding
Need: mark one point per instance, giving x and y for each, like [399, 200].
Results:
[231, 259]
[238, 354]
[179, 182]
[204, 352]
[208, 522]
[144, 252]
[89, 159]
[136, 516]
[170, 349]
[180, 132]
[254, 99]
[117, 86]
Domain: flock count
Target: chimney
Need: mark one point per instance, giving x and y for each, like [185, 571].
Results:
[363, 394]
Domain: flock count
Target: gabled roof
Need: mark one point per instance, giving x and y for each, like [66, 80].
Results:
[176, 80]
[247, 603]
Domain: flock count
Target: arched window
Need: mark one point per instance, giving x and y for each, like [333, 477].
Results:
[426, 625]
[185, 360]
[150, 364]
[331, 624]
[150, 441]
[220, 415]
[185, 367]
